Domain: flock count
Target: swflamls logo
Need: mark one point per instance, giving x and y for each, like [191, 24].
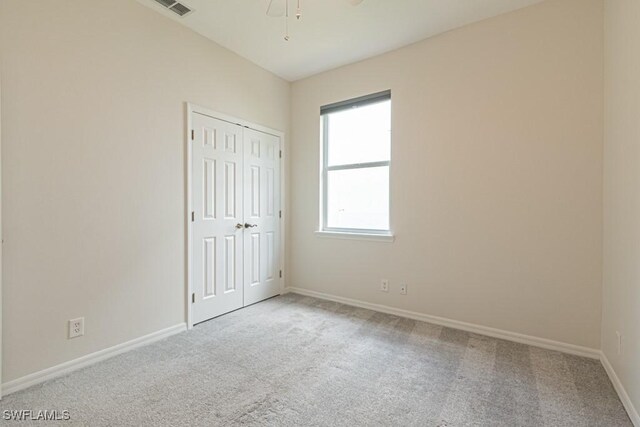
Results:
[32, 415]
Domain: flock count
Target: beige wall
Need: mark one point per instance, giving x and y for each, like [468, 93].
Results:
[496, 176]
[621, 295]
[93, 168]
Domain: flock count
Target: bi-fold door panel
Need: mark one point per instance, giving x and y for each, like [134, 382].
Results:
[261, 212]
[236, 217]
[217, 209]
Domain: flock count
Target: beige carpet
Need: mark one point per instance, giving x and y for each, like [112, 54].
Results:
[299, 361]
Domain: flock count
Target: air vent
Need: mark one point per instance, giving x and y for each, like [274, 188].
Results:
[180, 9]
[175, 7]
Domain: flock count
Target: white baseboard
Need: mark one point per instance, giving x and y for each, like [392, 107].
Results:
[577, 350]
[89, 359]
[624, 397]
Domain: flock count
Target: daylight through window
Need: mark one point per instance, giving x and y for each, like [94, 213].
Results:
[356, 161]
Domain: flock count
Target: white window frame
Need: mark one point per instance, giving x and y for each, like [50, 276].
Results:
[348, 233]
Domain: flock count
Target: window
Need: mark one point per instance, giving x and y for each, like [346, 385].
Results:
[356, 140]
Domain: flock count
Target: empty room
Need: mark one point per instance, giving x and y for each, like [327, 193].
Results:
[320, 213]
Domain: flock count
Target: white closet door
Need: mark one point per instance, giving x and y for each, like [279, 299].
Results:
[261, 214]
[217, 227]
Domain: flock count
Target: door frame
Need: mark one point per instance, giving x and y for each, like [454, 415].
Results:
[190, 109]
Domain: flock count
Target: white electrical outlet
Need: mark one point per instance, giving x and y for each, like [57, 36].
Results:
[403, 289]
[384, 285]
[76, 327]
[619, 335]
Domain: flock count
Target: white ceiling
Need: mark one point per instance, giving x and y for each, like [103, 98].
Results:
[331, 33]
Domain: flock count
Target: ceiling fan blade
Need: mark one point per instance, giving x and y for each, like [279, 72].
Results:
[277, 8]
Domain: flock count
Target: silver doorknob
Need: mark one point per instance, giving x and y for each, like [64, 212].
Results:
[239, 226]
[247, 225]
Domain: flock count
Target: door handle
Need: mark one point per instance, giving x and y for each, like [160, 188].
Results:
[239, 226]
[247, 225]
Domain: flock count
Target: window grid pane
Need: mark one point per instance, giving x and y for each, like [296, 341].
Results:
[358, 198]
[359, 135]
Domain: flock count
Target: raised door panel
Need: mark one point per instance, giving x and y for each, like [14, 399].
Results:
[217, 176]
[262, 207]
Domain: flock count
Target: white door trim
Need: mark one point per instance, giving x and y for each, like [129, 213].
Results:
[189, 111]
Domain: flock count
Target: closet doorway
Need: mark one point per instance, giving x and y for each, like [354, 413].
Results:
[235, 215]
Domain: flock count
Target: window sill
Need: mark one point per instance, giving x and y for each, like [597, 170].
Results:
[386, 237]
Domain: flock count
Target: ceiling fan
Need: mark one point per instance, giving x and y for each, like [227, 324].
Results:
[280, 8]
